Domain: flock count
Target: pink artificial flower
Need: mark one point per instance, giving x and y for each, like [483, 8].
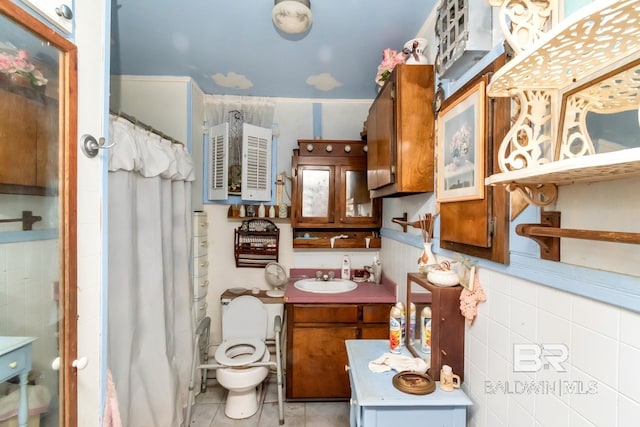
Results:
[390, 58]
[18, 62]
[6, 64]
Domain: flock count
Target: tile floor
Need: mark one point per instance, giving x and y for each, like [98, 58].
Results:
[209, 411]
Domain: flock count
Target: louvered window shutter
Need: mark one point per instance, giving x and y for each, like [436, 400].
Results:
[256, 163]
[218, 162]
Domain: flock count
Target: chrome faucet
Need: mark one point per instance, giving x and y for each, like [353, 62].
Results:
[325, 277]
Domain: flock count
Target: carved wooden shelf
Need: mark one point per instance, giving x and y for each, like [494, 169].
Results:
[582, 44]
[601, 167]
[588, 62]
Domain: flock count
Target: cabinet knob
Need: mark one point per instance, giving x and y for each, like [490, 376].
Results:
[80, 363]
[309, 147]
[346, 368]
[55, 365]
[13, 365]
[353, 402]
[64, 11]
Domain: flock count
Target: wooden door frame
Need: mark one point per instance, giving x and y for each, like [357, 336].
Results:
[67, 174]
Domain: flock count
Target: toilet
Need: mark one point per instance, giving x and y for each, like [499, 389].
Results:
[246, 324]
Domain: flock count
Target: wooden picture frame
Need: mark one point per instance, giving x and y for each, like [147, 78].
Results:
[461, 146]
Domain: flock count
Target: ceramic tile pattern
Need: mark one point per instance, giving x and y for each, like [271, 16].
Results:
[600, 384]
[209, 411]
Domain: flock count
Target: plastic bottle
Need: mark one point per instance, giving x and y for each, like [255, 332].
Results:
[412, 323]
[395, 330]
[425, 333]
[243, 211]
[345, 273]
[272, 211]
[403, 322]
[261, 211]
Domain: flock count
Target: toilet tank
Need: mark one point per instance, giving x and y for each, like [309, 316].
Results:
[273, 306]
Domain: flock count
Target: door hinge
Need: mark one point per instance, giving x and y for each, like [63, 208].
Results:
[492, 226]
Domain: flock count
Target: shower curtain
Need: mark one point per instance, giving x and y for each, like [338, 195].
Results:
[150, 298]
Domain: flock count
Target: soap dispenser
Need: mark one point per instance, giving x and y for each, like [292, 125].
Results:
[377, 269]
[346, 268]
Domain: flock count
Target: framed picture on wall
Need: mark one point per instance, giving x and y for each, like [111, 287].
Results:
[461, 146]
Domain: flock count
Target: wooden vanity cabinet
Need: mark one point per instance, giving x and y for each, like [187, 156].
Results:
[316, 354]
[400, 133]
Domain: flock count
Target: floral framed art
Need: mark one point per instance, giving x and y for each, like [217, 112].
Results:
[461, 146]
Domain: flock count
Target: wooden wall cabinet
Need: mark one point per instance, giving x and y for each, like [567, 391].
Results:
[480, 227]
[316, 354]
[34, 167]
[330, 195]
[400, 133]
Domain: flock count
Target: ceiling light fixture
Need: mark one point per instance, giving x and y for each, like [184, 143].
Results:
[292, 16]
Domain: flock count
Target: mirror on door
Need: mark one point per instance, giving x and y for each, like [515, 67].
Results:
[34, 222]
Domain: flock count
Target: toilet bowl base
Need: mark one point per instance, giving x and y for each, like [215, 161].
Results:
[242, 404]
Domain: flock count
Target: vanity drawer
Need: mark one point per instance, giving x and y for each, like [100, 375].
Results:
[14, 361]
[376, 313]
[200, 287]
[200, 246]
[325, 313]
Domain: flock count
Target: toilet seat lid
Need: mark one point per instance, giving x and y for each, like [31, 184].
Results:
[223, 358]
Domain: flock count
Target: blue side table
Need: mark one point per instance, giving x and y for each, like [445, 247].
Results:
[15, 360]
[375, 402]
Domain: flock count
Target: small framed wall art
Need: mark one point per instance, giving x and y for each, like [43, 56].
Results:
[461, 146]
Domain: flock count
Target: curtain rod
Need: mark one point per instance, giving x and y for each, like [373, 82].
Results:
[145, 126]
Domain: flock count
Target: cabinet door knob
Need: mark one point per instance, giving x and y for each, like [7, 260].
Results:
[353, 402]
[80, 363]
[55, 365]
[13, 365]
[64, 11]
[346, 368]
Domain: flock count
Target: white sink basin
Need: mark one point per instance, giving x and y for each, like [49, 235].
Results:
[334, 286]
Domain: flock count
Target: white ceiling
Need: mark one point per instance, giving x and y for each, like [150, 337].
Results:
[232, 47]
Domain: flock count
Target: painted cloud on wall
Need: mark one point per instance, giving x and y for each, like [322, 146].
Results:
[232, 80]
[323, 81]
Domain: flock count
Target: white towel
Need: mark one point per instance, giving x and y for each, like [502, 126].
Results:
[398, 363]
